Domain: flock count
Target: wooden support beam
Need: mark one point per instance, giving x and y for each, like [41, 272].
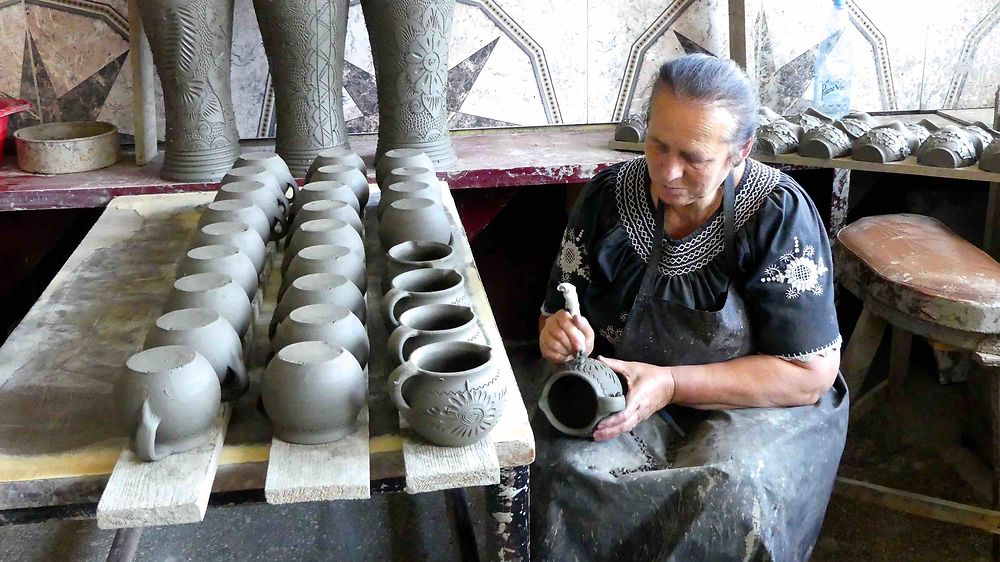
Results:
[143, 98]
[738, 32]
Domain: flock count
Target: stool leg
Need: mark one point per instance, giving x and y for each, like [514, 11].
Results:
[860, 351]
[995, 426]
[899, 359]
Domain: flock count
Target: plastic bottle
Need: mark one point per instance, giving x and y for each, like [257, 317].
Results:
[832, 76]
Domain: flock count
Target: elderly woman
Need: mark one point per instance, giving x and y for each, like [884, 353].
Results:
[705, 282]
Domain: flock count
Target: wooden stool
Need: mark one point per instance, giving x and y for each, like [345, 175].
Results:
[912, 272]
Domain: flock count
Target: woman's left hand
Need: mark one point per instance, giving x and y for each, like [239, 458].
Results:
[649, 389]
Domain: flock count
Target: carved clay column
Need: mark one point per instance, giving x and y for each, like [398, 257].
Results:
[191, 42]
[409, 41]
[304, 41]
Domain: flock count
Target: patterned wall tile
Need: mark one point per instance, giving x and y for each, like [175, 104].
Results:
[950, 32]
[506, 89]
[12, 29]
[906, 32]
[249, 75]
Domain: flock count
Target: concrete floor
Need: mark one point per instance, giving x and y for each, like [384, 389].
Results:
[920, 451]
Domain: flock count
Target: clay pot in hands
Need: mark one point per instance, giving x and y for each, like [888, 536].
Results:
[324, 322]
[414, 219]
[221, 258]
[449, 392]
[274, 165]
[408, 190]
[215, 291]
[238, 210]
[206, 332]
[950, 147]
[328, 190]
[327, 209]
[346, 174]
[326, 258]
[400, 158]
[168, 398]
[237, 234]
[313, 391]
[423, 286]
[319, 288]
[323, 231]
[261, 174]
[778, 137]
[431, 323]
[417, 254]
[262, 197]
[336, 156]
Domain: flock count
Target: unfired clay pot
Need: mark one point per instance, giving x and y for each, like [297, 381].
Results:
[318, 288]
[337, 156]
[262, 197]
[408, 190]
[237, 234]
[259, 173]
[417, 254]
[400, 158]
[274, 165]
[327, 209]
[414, 219]
[825, 141]
[215, 291]
[886, 143]
[431, 323]
[206, 332]
[410, 173]
[347, 174]
[168, 398]
[313, 392]
[221, 258]
[324, 322]
[950, 147]
[449, 392]
[328, 190]
[323, 231]
[778, 137]
[990, 161]
[238, 210]
[326, 258]
[423, 286]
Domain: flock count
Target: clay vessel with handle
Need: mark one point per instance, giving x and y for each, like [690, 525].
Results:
[347, 174]
[221, 258]
[432, 323]
[417, 254]
[261, 196]
[423, 286]
[239, 210]
[324, 322]
[261, 174]
[274, 166]
[216, 291]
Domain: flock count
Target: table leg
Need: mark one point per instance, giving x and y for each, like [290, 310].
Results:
[994, 374]
[463, 524]
[507, 505]
[125, 545]
[991, 241]
[838, 204]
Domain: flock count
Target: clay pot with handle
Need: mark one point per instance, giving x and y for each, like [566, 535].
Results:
[423, 286]
[432, 323]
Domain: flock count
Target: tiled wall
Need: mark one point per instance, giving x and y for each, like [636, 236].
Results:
[530, 62]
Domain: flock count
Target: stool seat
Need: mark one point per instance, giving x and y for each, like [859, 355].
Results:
[916, 264]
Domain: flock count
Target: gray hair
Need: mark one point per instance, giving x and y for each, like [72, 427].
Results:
[715, 81]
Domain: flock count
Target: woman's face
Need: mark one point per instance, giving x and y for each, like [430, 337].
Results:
[687, 149]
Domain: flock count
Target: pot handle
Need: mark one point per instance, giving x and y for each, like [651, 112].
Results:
[611, 404]
[238, 381]
[389, 302]
[397, 341]
[145, 435]
[283, 215]
[396, 380]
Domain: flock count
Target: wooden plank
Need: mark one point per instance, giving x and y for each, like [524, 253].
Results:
[919, 505]
[143, 98]
[738, 32]
[899, 360]
[860, 351]
[167, 492]
[331, 471]
[430, 468]
[869, 401]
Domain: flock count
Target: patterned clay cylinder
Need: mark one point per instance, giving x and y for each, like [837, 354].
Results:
[409, 41]
[304, 41]
[192, 44]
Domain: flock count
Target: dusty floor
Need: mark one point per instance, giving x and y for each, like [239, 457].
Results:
[919, 451]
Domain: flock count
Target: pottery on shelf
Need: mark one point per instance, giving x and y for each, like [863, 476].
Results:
[337, 156]
[886, 143]
[168, 399]
[221, 258]
[304, 41]
[401, 158]
[313, 391]
[327, 209]
[206, 332]
[326, 258]
[825, 141]
[328, 191]
[274, 165]
[811, 118]
[409, 40]
[191, 42]
[414, 219]
[347, 174]
[324, 322]
[990, 160]
[417, 254]
[410, 173]
[215, 291]
[238, 210]
[856, 123]
[264, 196]
[431, 323]
[631, 129]
[767, 115]
[778, 137]
[237, 234]
[323, 231]
[408, 190]
[449, 392]
[951, 147]
[319, 288]
[423, 286]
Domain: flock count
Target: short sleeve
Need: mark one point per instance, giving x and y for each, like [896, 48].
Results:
[789, 290]
[588, 222]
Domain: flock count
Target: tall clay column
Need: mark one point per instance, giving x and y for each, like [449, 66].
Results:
[304, 41]
[191, 42]
[409, 41]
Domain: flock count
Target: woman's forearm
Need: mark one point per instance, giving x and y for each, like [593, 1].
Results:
[753, 381]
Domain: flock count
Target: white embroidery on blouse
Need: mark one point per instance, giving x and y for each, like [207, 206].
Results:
[798, 270]
[632, 193]
[573, 256]
[808, 356]
[614, 332]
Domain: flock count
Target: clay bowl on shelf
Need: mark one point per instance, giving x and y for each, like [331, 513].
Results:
[65, 148]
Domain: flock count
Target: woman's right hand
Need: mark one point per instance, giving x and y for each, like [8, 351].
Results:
[562, 336]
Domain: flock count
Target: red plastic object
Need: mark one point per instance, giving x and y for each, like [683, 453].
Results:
[9, 106]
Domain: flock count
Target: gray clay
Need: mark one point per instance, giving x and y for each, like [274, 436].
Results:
[990, 160]
[950, 147]
[401, 158]
[319, 288]
[215, 291]
[327, 209]
[336, 156]
[237, 234]
[886, 143]
[416, 254]
[324, 322]
[408, 190]
[326, 258]
[778, 137]
[579, 394]
[329, 190]
[414, 219]
[347, 174]
[631, 129]
[323, 231]
[431, 323]
[825, 141]
[423, 286]
[811, 118]
[238, 210]
[274, 166]
[221, 258]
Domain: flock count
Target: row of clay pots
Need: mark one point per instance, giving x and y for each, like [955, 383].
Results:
[193, 356]
[314, 385]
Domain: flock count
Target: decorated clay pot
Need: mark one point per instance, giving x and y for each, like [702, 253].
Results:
[329, 190]
[431, 323]
[400, 158]
[238, 210]
[221, 258]
[313, 392]
[449, 392]
[408, 190]
[327, 209]
[191, 42]
[168, 398]
[319, 288]
[990, 160]
[417, 254]
[274, 166]
[323, 231]
[237, 234]
[811, 118]
[215, 291]
[206, 332]
[326, 258]
[579, 394]
[324, 322]
[304, 41]
[423, 286]
[347, 174]
[778, 137]
[336, 156]
[825, 141]
[950, 147]
[263, 197]
[886, 143]
[414, 219]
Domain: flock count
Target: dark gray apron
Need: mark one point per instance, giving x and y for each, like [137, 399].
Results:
[691, 485]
